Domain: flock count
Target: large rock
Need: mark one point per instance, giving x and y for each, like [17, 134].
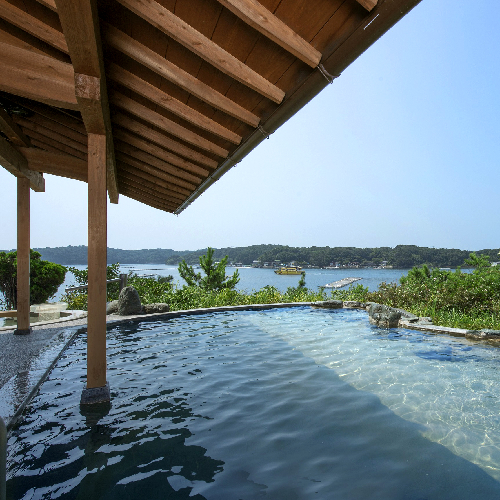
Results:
[383, 316]
[112, 307]
[158, 307]
[129, 302]
[329, 304]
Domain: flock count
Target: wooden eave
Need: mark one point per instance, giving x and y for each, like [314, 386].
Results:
[182, 90]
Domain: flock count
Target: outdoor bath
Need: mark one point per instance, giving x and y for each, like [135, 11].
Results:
[284, 403]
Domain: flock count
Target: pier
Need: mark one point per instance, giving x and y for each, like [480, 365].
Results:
[341, 283]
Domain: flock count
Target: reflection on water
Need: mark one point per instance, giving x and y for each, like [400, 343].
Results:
[245, 405]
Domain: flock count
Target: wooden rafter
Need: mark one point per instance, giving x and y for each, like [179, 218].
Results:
[38, 77]
[369, 5]
[32, 25]
[155, 171]
[154, 94]
[158, 163]
[161, 140]
[11, 130]
[42, 142]
[12, 160]
[80, 23]
[147, 57]
[264, 21]
[56, 163]
[134, 108]
[161, 153]
[163, 19]
[51, 4]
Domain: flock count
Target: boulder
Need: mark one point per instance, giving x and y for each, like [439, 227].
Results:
[129, 302]
[329, 304]
[354, 304]
[112, 307]
[383, 316]
[159, 307]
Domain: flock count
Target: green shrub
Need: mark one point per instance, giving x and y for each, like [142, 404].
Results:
[45, 278]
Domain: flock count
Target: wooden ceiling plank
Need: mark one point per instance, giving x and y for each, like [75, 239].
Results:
[140, 176]
[166, 21]
[154, 94]
[80, 23]
[131, 192]
[41, 144]
[32, 25]
[52, 134]
[151, 189]
[51, 4]
[11, 130]
[42, 121]
[264, 21]
[156, 162]
[38, 77]
[56, 145]
[162, 140]
[56, 163]
[155, 62]
[369, 5]
[13, 161]
[163, 123]
[153, 170]
[161, 153]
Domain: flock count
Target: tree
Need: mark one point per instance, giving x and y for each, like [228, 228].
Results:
[215, 278]
[45, 278]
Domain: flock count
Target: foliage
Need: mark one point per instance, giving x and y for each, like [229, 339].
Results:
[215, 278]
[149, 288]
[465, 300]
[358, 293]
[45, 278]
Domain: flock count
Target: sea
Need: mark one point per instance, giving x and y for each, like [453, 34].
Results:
[256, 278]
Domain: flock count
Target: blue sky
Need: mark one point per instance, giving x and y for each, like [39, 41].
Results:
[403, 148]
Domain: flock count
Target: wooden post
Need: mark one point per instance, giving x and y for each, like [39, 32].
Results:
[23, 256]
[97, 245]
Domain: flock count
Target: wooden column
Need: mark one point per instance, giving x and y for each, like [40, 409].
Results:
[23, 256]
[97, 245]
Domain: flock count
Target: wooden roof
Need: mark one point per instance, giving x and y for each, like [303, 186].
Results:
[182, 89]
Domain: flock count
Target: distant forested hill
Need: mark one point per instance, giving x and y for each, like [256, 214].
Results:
[401, 256]
[78, 255]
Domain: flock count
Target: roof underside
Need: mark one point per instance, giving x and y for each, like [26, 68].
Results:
[183, 89]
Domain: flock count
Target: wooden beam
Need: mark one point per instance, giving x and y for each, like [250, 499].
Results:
[40, 140]
[55, 163]
[13, 161]
[151, 193]
[153, 170]
[62, 130]
[97, 251]
[161, 153]
[142, 198]
[51, 4]
[154, 94]
[162, 140]
[166, 21]
[153, 182]
[50, 133]
[265, 22]
[23, 256]
[369, 5]
[165, 124]
[32, 25]
[157, 163]
[11, 130]
[38, 77]
[80, 23]
[155, 62]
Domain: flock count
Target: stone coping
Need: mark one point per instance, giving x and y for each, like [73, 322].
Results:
[72, 315]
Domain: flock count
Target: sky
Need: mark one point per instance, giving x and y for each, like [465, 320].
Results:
[403, 148]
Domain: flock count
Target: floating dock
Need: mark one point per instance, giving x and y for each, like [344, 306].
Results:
[340, 283]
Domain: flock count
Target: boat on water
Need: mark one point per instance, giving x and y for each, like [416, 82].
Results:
[288, 270]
